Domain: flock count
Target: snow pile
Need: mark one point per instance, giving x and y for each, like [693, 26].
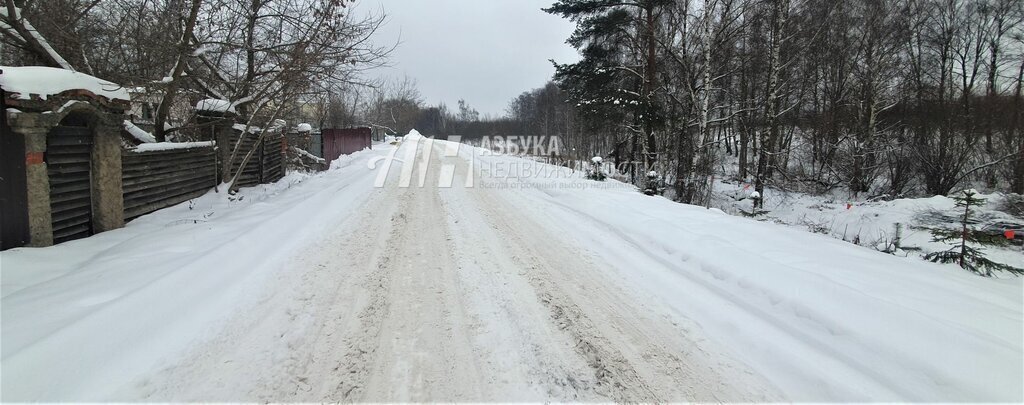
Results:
[47, 81]
[304, 127]
[138, 133]
[215, 105]
[414, 134]
[873, 224]
[152, 147]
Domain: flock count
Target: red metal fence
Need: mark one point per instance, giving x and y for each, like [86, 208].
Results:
[344, 141]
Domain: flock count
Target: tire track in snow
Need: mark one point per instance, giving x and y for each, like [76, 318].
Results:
[633, 357]
[414, 344]
[614, 376]
[381, 310]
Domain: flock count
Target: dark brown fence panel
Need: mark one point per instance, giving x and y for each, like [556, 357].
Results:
[337, 142]
[68, 164]
[159, 179]
[272, 159]
[251, 175]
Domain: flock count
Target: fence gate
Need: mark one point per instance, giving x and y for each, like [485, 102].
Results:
[68, 161]
[14, 231]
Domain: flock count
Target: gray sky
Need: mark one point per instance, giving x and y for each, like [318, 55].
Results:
[485, 51]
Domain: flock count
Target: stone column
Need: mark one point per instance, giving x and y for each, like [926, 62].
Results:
[107, 194]
[34, 130]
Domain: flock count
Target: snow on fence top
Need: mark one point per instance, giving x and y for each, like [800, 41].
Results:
[304, 127]
[43, 81]
[215, 105]
[241, 127]
[151, 147]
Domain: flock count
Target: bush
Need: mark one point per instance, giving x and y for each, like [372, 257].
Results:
[595, 172]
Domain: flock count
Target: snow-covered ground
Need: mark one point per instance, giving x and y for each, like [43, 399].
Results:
[872, 224]
[532, 285]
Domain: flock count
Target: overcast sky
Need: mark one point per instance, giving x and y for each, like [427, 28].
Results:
[485, 51]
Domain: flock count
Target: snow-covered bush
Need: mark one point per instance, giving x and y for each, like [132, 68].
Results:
[596, 172]
[1012, 204]
[655, 184]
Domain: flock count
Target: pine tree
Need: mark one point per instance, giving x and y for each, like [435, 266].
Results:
[616, 80]
[967, 252]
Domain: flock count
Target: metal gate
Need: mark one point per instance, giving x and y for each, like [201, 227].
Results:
[337, 142]
[68, 161]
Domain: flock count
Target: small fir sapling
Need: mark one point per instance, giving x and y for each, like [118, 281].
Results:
[966, 250]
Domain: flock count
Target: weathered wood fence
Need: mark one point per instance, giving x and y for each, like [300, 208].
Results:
[272, 159]
[152, 180]
[160, 179]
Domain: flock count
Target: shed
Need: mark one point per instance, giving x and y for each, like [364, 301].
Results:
[344, 141]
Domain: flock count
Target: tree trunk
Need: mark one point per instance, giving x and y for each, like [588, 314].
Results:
[770, 136]
[184, 50]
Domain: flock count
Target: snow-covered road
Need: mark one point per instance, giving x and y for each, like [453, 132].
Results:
[533, 285]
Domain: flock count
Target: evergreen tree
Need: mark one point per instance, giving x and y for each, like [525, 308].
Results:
[615, 82]
[966, 250]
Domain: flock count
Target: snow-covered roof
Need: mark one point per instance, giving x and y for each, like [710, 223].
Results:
[304, 127]
[43, 81]
[215, 105]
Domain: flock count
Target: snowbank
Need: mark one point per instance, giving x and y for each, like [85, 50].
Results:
[414, 134]
[823, 319]
[86, 318]
[872, 224]
[46, 81]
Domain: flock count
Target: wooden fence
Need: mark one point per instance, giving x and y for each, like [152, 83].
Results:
[153, 180]
[160, 179]
[272, 162]
[266, 166]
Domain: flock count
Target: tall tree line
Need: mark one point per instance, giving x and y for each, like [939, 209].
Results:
[880, 97]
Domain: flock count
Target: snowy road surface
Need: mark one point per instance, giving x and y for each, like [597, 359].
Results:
[531, 285]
